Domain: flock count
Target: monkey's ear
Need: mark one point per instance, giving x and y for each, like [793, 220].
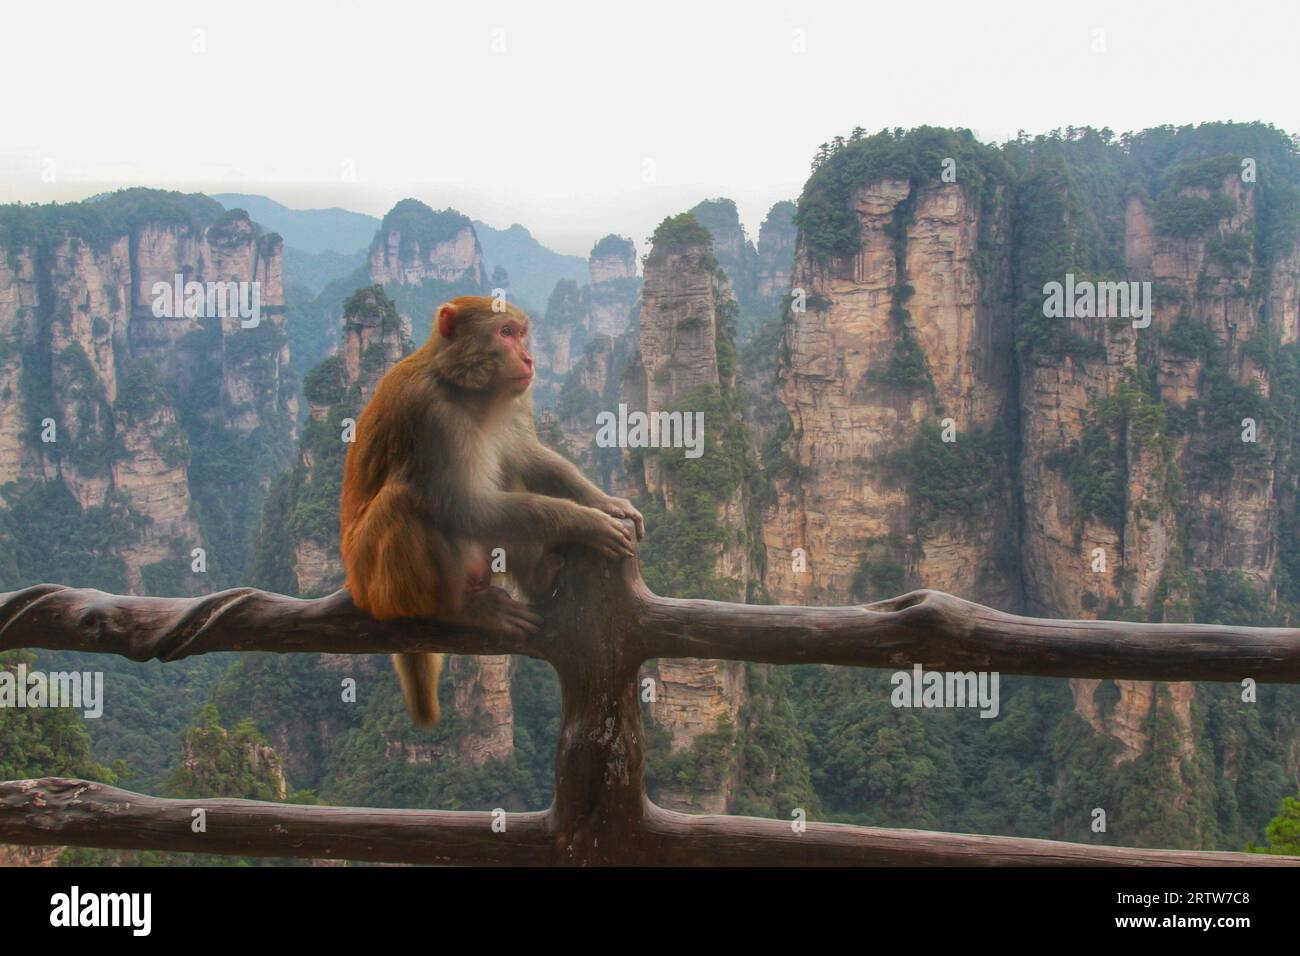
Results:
[447, 316]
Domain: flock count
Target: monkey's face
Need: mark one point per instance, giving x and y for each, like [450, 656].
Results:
[510, 340]
[483, 349]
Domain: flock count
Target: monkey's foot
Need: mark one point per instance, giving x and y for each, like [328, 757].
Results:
[492, 609]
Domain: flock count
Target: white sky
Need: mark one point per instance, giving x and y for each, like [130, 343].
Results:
[554, 132]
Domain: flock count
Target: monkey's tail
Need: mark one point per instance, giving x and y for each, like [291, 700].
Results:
[418, 674]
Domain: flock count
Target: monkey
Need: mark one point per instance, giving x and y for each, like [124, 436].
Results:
[446, 466]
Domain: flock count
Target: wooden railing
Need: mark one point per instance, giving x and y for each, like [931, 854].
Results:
[600, 627]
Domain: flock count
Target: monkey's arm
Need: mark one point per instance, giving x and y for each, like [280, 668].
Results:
[523, 515]
[549, 473]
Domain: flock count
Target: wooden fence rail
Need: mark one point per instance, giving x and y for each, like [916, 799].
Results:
[601, 625]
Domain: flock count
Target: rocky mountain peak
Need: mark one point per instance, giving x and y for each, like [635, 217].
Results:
[415, 244]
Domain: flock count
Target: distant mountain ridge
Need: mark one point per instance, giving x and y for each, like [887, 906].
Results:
[309, 230]
[533, 269]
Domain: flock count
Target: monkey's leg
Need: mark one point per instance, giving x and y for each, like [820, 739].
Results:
[418, 673]
[400, 566]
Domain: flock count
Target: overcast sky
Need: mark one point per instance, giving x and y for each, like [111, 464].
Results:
[593, 118]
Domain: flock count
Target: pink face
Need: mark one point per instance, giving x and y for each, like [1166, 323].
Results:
[511, 336]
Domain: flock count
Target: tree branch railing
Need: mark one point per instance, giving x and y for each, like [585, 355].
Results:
[601, 625]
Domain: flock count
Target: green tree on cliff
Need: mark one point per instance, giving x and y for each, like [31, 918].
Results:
[1283, 831]
[45, 741]
[222, 763]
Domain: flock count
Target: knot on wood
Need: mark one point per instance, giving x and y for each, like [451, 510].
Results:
[92, 623]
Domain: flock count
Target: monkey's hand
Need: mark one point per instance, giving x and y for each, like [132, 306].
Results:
[604, 532]
[622, 508]
[493, 609]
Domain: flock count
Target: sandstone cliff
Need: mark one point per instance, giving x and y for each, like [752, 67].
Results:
[687, 365]
[776, 241]
[1099, 467]
[584, 347]
[614, 285]
[679, 353]
[733, 250]
[898, 344]
[415, 245]
[559, 338]
[1138, 486]
[578, 315]
[114, 387]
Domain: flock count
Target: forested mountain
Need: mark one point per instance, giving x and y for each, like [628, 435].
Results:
[1135, 466]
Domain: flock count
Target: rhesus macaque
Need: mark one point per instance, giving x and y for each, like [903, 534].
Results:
[446, 467]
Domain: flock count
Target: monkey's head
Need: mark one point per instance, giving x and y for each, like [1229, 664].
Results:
[481, 344]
